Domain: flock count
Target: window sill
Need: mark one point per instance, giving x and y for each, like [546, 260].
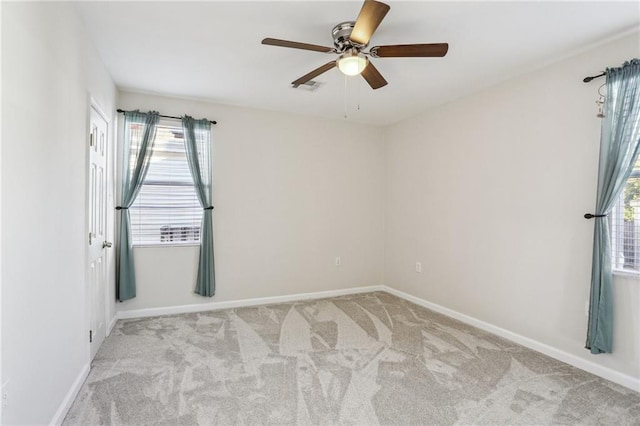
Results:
[626, 273]
[165, 245]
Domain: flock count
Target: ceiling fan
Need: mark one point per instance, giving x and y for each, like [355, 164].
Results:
[352, 38]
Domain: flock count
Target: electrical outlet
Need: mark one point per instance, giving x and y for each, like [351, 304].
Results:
[338, 261]
[418, 267]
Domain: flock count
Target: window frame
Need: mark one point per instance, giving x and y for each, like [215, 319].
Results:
[172, 124]
[617, 215]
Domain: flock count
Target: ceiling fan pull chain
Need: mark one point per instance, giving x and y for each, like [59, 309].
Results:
[345, 97]
[358, 95]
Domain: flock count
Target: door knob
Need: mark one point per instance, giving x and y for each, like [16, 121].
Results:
[106, 244]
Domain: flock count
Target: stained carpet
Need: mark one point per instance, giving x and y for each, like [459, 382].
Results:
[354, 360]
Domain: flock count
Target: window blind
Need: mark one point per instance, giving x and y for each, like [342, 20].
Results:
[166, 210]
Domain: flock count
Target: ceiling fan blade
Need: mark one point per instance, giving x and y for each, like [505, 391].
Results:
[373, 76]
[410, 50]
[296, 45]
[326, 67]
[371, 14]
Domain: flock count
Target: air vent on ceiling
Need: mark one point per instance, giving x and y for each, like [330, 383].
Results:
[310, 86]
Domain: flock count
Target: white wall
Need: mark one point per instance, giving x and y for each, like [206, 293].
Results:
[290, 194]
[488, 192]
[48, 73]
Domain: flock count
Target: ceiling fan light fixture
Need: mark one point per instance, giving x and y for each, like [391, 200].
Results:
[352, 63]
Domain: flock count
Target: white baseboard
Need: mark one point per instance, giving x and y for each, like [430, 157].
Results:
[70, 397]
[112, 324]
[213, 306]
[571, 359]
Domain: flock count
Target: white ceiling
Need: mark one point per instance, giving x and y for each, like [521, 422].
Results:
[212, 50]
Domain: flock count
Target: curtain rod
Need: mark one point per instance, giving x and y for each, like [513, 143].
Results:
[588, 79]
[167, 116]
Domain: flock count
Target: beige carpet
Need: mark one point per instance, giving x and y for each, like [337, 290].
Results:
[354, 360]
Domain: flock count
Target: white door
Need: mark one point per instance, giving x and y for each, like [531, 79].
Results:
[97, 238]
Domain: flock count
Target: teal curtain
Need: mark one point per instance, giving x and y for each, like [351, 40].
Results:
[619, 147]
[139, 136]
[197, 136]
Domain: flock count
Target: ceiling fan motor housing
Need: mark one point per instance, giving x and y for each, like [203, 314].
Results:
[341, 34]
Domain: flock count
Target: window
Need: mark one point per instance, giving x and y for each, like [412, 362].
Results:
[166, 210]
[625, 225]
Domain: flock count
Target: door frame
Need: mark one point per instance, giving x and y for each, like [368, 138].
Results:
[93, 104]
